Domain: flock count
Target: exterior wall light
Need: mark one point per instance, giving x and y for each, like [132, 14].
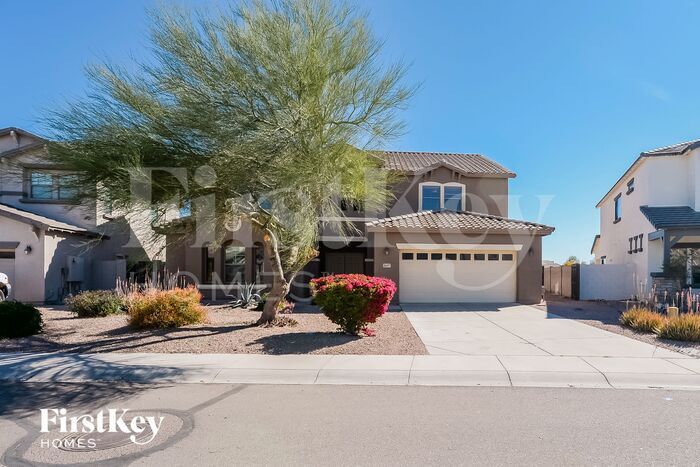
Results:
[386, 251]
[27, 250]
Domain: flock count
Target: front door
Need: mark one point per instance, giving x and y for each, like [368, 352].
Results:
[345, 263]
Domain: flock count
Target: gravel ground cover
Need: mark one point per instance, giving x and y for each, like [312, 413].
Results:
[227, 331]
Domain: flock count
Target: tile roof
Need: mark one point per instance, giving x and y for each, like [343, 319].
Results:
[671, 216]
[467, 163]
[674, 149]
[463, 220]
[41, 221]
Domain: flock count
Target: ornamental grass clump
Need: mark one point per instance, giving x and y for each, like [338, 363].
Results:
[685, 327]
[352, 301]
[642, 319]
[165, 308]
[96, 303]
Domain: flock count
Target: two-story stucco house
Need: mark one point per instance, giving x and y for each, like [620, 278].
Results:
[446, 238]
[49, 245]
[651, 210]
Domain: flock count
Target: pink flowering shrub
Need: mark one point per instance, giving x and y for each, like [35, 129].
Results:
[352, 301]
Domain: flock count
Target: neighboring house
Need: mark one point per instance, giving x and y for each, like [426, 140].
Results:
[652, 210]
[446, 238]
[49, 245]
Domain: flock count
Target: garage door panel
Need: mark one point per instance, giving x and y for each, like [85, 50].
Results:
[444, 280]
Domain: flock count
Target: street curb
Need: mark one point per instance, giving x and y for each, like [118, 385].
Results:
[394, 370]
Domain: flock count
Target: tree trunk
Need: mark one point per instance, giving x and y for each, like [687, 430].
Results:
[280, 285]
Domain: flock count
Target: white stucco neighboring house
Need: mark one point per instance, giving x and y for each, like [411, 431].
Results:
[652, 209]
[51, 246]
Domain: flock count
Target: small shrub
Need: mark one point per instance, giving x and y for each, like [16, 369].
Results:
[685, 327]
[165, 308]
[352, 301]
[19, 319]
[96, 303]
[642, 319]
[280, 322]
[285, 307]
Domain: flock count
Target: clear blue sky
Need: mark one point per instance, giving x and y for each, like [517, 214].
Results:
[564, 93]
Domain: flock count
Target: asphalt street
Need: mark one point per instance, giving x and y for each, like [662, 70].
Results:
[355, 425]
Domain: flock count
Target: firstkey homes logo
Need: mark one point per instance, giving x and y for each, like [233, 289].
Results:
[140, 429]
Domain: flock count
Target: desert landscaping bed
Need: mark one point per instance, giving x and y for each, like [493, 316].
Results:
[227, 331]
[606, 315]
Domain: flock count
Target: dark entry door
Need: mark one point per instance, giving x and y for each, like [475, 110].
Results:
[345, 263]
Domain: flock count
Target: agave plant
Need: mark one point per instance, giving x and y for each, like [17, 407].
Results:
[246, 296]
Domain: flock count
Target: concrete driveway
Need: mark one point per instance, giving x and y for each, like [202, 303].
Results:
[517, 330]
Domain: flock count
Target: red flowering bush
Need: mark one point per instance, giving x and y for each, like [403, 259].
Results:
[352, 301]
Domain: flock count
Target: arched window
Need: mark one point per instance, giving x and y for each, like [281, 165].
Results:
[234, 263]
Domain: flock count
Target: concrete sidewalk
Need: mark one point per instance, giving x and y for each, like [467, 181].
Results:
[428, 370]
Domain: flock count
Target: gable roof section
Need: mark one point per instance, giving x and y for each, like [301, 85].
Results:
[673, 150]
[415, 162]
[40, 142]
[596, 239]
[42, 222]
[9, 129]
[22, 149]
[458, 220]
[671, 216]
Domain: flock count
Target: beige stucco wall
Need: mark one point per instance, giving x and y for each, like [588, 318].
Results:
[28, 281]
[529, 272]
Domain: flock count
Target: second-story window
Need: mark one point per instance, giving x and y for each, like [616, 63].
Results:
[431, 198]
[618, 208]
[52, 185]
[436, 196]
[452, 197]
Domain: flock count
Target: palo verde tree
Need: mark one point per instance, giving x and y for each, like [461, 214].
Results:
[266, 113]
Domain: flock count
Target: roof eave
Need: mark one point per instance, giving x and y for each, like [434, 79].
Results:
[529, 232]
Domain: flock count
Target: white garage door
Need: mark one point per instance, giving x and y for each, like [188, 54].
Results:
[457, 276]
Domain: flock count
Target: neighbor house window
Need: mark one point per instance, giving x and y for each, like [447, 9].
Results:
[630, 186]
[41, 185]
[234, 264]
[618, 208]
[52, 185]
[436, 196]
